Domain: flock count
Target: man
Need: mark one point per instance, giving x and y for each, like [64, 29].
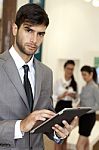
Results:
[26, 85]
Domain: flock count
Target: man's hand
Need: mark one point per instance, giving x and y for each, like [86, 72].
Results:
[28, 123]
[63, 132]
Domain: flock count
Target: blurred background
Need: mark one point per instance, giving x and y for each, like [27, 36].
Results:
[73, 33]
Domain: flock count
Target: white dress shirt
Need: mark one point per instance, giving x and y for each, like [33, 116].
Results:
[31, 75]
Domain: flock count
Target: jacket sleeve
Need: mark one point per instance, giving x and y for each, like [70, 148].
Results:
[7, 129]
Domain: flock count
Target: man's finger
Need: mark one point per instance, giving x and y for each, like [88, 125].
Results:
[59, 128]
[45, 111]
[67, 126]
[46, 115]
[61, 132]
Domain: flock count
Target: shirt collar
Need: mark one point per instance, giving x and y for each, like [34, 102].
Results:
[18, 60]
[66, 82]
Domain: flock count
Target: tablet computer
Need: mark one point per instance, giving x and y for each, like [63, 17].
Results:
[67, 114]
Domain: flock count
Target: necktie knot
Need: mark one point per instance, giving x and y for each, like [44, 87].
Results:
[26, 69]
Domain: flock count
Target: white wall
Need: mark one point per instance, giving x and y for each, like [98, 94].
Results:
[73, 33]
[1, 4]
[21, 2]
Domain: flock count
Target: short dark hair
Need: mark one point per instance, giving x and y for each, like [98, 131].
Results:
[31, 13]
[71, 62]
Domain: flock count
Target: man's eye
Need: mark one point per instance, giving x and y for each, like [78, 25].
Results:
[41, 34]
[28, 29]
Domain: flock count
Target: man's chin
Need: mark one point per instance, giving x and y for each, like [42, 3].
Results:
[31, 52]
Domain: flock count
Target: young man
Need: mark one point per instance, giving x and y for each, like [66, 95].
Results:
[26, 85]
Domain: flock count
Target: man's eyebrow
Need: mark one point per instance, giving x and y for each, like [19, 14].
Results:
[30, 25]
[41, 32]
[27, 24]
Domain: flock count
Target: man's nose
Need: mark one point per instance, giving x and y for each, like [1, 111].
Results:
[34, 38]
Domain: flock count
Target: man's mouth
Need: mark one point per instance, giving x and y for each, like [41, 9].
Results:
[31, 46]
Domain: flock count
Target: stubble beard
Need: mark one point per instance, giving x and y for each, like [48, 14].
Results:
[22, 48]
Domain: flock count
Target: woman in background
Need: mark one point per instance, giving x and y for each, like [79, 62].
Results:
[65, 93]
[89, 97]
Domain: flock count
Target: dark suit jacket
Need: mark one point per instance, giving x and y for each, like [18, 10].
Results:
[14, 105]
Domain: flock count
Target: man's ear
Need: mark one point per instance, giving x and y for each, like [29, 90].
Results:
[14, 29]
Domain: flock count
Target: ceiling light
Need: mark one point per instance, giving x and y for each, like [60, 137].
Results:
[95, 3]
[87, 0]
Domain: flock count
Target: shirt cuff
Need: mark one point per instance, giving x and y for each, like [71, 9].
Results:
[57, 139]
[18, 134]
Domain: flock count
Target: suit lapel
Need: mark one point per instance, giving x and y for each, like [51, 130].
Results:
[12, 72]
[38, 79]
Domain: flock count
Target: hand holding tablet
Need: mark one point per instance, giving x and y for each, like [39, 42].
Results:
[67, 114]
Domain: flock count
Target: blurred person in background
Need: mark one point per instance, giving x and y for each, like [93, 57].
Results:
[89, 97]
[65, 93]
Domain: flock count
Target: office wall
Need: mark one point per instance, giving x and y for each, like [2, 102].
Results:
[73, 33]
[20, 3]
